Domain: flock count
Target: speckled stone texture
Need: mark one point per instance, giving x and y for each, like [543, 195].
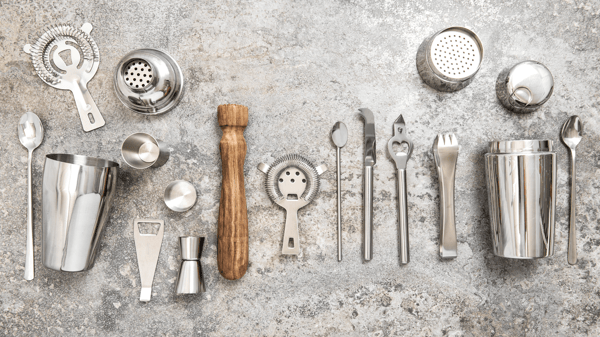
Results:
[301, 66]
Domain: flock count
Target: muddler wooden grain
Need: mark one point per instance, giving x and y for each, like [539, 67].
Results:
[232, 244]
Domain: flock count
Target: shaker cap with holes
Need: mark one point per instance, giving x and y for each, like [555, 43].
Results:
[525, 87]
[149, 81]
[449, 59]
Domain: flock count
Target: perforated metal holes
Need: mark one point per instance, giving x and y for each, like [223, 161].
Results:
[455, 54]
[138, 74]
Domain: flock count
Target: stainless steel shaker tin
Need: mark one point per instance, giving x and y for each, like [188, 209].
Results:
[449, 59]
[76, 201]
[521, 184]
[525, 87]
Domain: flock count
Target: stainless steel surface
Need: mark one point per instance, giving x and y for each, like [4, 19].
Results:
[401, 157]
[190, 279]
[31, 134]
[368, 163]
[521, 184]
[292, 182]
[339, 135]
[571, 134]
[147, 247]
[445, 151]
[67, 58]
[77, 196]
[449, 59]
[525, 87]
[180, 196]
[140, 151]
[149, 81]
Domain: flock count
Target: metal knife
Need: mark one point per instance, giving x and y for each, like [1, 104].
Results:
[369, 162]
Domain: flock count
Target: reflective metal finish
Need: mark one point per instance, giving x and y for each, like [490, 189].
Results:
[525, 87]
[339, 135]
[190, 279]
[449, 59]
[31, 134]
[445, 151]
[62, 65]
[369, 162]
[77, 195]
[571, 134]
[149, 81]
[180, 196]
[521, 184]
[147, 247]
[292, 183]
[401, 139]
[140, 151]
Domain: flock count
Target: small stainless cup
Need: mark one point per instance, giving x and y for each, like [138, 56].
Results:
[76, 201]
[525, 87]
[449, 59]
[140, 151]
[521, 184]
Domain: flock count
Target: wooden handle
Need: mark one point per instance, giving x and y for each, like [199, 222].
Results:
[232, 237]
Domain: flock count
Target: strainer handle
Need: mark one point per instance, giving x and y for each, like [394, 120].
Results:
[291, 239]
[90, 116]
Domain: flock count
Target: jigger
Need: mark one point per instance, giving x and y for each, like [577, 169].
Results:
[190, 279]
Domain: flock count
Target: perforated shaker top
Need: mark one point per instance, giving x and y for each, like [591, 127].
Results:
[455, 53]
[138, 74]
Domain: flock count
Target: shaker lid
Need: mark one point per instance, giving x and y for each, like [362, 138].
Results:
[520, 146]
[530, 83]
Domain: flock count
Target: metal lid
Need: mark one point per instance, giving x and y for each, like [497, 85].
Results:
[180, 196]
[455, 53]
[520, 146]
[525, 87]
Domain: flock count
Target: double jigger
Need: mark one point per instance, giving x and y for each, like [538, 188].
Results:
[190, 279]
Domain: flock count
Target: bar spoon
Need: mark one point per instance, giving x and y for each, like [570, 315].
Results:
[339, 135]
[31, 134]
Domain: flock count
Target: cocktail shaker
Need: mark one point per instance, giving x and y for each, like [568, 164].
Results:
[77, 195]
[521, 184]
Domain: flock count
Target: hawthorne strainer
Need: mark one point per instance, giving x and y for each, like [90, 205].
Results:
[292, 183]
[67, 58]
[449, 59]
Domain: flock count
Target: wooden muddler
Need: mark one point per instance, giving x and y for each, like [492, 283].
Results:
[232, 237]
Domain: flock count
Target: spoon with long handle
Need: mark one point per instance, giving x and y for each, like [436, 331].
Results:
[339, 135]
[31, 134]
[571, 135]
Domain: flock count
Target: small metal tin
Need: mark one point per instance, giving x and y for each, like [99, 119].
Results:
[140, 151]
[525, 87]
[149, 81]
[180, 196]
[449, 59]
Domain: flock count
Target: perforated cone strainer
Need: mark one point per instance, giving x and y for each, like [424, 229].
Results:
[149, 81]
[292, 182]
[449, 60]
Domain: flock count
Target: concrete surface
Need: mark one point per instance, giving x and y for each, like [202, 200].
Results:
[300, 67]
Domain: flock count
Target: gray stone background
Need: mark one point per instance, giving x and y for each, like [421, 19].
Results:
[300, 67]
